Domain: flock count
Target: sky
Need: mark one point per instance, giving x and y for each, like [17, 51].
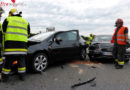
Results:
[87, 16]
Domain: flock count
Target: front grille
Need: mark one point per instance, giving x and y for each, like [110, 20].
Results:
[107, 49]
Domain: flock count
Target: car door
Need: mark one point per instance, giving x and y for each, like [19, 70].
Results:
[72, 43]
[69, 45]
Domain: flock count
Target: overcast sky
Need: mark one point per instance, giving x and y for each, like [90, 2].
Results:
[88, 16]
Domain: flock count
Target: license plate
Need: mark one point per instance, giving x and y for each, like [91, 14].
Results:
[107, 53]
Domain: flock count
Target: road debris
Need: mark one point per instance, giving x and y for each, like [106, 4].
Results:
[79, 84]
[74, 65]
[79, 79]
[93, 84]
[80, 71]
[84, 62]
[93, 67]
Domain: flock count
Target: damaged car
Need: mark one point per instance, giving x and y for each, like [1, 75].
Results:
[101, 48]
[48, 47]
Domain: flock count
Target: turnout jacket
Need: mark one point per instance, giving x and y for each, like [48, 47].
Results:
[16, 30]
[121, 39]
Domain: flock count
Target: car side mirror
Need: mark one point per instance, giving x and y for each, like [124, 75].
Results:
[58, 40]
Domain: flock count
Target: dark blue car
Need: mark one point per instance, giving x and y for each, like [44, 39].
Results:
[53, 46]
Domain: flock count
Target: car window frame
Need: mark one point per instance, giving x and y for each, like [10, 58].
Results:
[68, 31]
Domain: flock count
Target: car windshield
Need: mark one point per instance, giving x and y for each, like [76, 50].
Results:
[103, 38]
[41, 36]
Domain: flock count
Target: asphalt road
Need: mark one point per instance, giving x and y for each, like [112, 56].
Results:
[64, 76]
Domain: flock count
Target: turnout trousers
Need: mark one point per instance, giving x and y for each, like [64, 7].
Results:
[119, 53]
[9, 61]
[1, 60]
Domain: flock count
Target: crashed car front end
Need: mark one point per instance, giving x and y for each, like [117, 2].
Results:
[104, 50]
[98, 50]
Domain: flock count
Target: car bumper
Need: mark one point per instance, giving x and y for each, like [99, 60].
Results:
[107, 55]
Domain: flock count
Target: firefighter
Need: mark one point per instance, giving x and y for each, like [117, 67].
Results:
[16, 31]
[1, 39]
[120, 38]
[91, 37]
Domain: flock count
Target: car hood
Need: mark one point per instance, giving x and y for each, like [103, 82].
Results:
[31, 42]
[104, 46]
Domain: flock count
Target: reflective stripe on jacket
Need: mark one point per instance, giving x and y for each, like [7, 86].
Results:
[121, 39]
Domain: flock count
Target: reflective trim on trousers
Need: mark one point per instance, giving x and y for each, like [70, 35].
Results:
[22, 71]
[1, 62]
[1, 59]
[121, 63]
[6, 71]
[8, 53]
[23, 50]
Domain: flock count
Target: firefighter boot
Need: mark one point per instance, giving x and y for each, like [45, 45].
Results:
[119, 66]
[4, 77]
[22, 76]
[116, 62]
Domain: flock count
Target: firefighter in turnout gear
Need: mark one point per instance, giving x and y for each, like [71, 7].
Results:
[120, 38]
[1, 40]
[16, 31]
[90, 39]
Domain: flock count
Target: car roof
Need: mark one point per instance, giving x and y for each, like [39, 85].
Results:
[103, 35]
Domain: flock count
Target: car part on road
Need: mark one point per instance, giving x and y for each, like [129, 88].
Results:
[39, 62]
[79, 84]
[93, 84]
[93, 67]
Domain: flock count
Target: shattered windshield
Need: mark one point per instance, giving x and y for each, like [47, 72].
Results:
[41, 36]
[103, 38]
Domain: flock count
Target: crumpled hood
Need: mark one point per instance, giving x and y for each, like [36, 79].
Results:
[30, 43]
[104, 46]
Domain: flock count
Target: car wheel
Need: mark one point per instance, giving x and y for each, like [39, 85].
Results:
[83, 54]
[39, 62]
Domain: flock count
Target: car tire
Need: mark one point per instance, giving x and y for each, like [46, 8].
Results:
[39, 62]
[83, 54]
